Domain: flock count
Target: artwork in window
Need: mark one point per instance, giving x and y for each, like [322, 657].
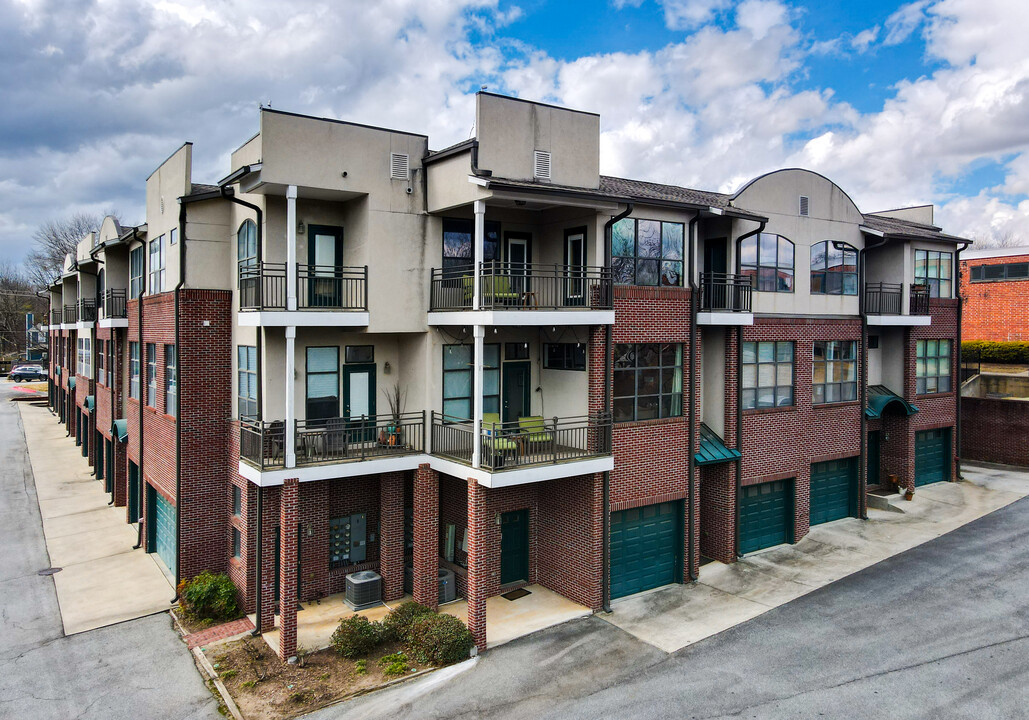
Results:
[647, 381]
[647, 252]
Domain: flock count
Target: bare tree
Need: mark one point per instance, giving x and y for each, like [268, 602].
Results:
[17, 297]
[53, 240]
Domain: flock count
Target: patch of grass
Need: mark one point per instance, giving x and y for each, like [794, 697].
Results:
[394, 664]
[229, 674]
[361, 666]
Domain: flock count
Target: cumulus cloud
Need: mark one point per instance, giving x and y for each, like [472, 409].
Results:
[688, 14]
[864, 39]
[905, 21]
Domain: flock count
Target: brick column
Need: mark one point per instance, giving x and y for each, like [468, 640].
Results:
[477, 562]
[391, 540]
[426, 536]
[266, 622]
[288, 568]
[121, 473]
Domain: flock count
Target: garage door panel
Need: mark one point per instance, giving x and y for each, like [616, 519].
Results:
[932, 456]
[765, 516]
[164, 534]
[833, 490]
[644, 548]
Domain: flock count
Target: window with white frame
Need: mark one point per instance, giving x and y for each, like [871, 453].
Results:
[834, 371]
[246, 390]
[85, 357]
[156, 260]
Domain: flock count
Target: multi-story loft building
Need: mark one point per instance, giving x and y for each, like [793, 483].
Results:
[354, 353]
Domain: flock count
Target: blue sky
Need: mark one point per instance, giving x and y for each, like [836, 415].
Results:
[899, 102]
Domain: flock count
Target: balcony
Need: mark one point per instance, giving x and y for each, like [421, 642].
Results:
[725, 299]
[522, 294]
[115, 305]
[56, 317]
[71, 314]
[884, 304]
[87, 310]
[326, 295]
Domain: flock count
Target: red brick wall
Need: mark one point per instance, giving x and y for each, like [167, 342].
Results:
[718, 512]
[994, 310]
[570, 538]
[937, 410]
[995, 430]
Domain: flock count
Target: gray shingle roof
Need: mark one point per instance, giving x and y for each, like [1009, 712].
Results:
[907, 228]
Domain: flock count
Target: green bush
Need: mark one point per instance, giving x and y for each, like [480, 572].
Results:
[209, 596]
[397, 624]
[1004, 353]
[356, 636]
[394, 664]
[439, 639]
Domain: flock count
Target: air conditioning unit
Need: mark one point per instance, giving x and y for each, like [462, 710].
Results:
[447, 584]
[364, 590]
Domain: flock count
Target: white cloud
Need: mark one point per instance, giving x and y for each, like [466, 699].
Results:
[905, 21]
[688, 14]
[864, 39]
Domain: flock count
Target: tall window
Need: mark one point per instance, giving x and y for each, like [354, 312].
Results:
[134, 370]
[932, 366]
[85, 357]
[647, 381]
[933, 268]
[101, 376]
[647, 252]
[833, 272]
[458, 235]
[237, 501]
[246, 244]
[151, 375]
[767, 374]
[322, 383]
[136, 272]
[246, 390]
[458, 380]
[834, 371]
[768, 260]
[157, 265]
[171, 381]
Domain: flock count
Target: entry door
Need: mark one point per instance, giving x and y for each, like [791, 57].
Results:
[517, 255]
[84, 433]
[715, 259]
[98, 445]
[324, 256]
[514, 547]
[110, 465]
[133, 493]
[874, 460]
[359, 399]
[516, 390]
[575, 267]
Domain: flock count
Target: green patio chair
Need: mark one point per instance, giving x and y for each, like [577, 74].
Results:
[498, 288]
[498, 441]
[533, 429]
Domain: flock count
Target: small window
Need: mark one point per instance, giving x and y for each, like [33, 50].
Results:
[237, 500]
[564, 356]
[237, 542]
[977, 273]
[173, 236]
[134, 370]
[151, 375]
[541, 165]
[359, 354]
[994, 272]
[1018, 271]
[516, 351]
[399, 166]
[804, 202]
[873, 342]
[171, 382]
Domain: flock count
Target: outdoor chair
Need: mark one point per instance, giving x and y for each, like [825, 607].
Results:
[535, 433]
[497, 440]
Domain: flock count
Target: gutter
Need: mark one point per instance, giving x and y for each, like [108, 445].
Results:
[141, 495]
[605, 562]
[691, 442]
[961, 306]
[479, 172]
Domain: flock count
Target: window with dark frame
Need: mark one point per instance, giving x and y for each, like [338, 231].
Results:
[768, 260]
[647, 381]
[647, 252]
[237, 501]
[932, 366]
[151, 375]
[136, 272]
[157, 271]
[833, 371]
[516, 351]
[458, 380]
[101, 376]
[934, 268]
[833, 271]
[564, 356]
[873, 342]
[322, 382]
[134, 370]
[999, 272]
[458, 236]
[359, 354]
[246, 381]
[767, 374]
[171, 382]
[237, 543]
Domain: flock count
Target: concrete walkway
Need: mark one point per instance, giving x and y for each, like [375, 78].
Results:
[676, 616]
[102, 579]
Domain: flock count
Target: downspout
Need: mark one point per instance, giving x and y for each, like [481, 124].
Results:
[739, 396]
[961, 305]
[605, 584]
[141, 495]
[691, 444]
[479, 172]
[179, 394]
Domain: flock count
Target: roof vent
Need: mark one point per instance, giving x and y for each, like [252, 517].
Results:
[541, 165]
[399, 166]
[804, 205]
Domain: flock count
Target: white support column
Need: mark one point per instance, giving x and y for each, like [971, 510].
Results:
[291, 247]
[478, 247]
[291, 411]
[479, 334]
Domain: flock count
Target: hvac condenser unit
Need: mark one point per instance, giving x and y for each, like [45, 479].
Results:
[364, 589]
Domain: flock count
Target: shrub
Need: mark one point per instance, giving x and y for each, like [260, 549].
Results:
[394, 664]
[439, 639]
[397, 624]
[209, 596]
[361, 667]
[356, 636]
[1009, 353]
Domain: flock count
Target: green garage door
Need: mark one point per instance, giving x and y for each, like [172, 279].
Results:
[833, 490]
[932, 456]
[162, 529]
[766, 515]
[645, 547]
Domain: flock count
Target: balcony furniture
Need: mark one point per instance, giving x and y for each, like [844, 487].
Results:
[533, 432]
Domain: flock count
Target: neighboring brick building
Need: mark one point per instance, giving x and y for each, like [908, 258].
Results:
[995, 290]
[603, 379]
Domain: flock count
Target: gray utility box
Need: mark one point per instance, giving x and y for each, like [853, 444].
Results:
[348, 539]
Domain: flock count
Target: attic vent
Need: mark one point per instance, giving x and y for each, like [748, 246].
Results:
[803, 205]
[399, 166]
[541, 165]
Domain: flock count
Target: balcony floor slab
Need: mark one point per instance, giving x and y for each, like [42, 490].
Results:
[113, 323]
[900, 320]
[523, 317]
[707, 317]
[301, 318]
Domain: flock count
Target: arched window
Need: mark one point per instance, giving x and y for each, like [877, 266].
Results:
[768, 260]
[833, 270]
[246, 244]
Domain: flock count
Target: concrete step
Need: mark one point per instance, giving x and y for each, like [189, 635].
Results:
[890, 503]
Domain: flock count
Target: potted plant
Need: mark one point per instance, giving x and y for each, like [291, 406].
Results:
[396, 397]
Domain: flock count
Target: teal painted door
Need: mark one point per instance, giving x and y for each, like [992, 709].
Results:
[515, 391]
[833, 490]
[645, 548]
[109, 463]
[766, 514]
[98, 450]
[514, 547]
[932, 456]
[359, 400]
[874, 459]
[161, 516]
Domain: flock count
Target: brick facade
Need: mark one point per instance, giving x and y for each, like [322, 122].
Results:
[995, 430]
[994, 310]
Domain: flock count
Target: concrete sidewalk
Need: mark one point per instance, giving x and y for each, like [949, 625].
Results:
[102, 579]
[675, 616]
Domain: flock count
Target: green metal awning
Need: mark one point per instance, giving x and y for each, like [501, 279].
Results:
[71, 383]
[90, 402]
[880, 397]
[120, 429]
[712, 449]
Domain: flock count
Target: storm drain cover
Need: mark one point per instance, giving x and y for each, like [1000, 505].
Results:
[49, 571]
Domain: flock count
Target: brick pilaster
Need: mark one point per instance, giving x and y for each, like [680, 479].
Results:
[426, 536]
[288, 511]
[477, 562]
[266, 622]
[391, 540]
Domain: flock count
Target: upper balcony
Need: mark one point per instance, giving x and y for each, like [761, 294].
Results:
[884, 304]
[114, 309]
[71, 314]
[56, 318]
[325, 295]
[86, 313]
[725, 299]
[511, 293]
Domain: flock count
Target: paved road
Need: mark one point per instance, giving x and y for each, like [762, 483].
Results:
[134, 670]
[941, 631]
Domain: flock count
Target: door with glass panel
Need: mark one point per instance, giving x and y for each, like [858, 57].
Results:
[359, 400]
[517, 259]
[324, 276]
[575, 267]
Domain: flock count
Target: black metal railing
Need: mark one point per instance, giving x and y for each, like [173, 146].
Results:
[720, 292]
[332, 287]
[71, 313]
[115, 304]
[87, 310]
[359, 438]
[262, 286]
[56, 317]
[524, 442]
[263, 443]
[919, 301]
[522, 286]
[883, 298]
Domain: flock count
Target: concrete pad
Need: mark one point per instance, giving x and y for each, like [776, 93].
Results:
[110, 590]
[99, 543]
[751, 582]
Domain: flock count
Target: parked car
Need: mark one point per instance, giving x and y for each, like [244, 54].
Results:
[21, 373]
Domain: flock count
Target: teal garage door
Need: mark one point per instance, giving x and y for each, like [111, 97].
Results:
[645, 547]
[163, 529]
[833, 490]
[766, 515]
[932, 456]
